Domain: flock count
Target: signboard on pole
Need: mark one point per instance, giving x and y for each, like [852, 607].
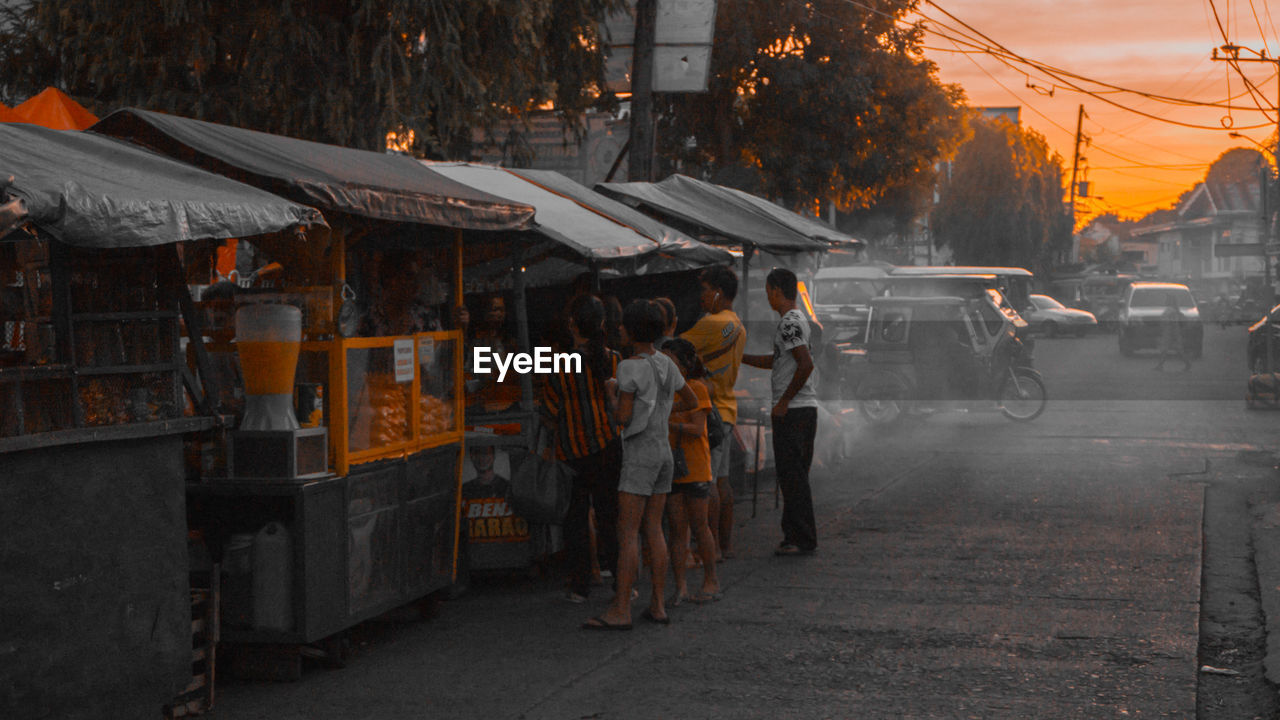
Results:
[1224, 250]
[682, 46]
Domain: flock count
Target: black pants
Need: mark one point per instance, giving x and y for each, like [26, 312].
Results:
[595, 485]
[793, 435]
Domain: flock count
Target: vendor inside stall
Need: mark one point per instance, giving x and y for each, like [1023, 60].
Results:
[403, 298]
[490, 328]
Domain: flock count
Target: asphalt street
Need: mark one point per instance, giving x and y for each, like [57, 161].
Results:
[969, 566]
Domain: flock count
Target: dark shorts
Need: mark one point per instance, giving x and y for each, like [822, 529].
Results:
[720, 453]
[695, 490]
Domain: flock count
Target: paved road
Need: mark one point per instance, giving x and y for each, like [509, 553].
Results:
[969, 567]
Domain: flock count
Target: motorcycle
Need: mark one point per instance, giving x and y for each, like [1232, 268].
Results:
[926, 354]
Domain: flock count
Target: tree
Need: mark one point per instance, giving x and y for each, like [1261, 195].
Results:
[1237, 165]
[337, 71]
[1003, 202]
[817, 101]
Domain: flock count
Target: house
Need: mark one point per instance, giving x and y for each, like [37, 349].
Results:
[1214, 216]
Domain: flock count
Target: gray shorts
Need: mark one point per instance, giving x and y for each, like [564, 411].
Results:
[647, 468]
[720, 453]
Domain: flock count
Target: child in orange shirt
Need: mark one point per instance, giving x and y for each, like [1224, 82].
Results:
[688, 501]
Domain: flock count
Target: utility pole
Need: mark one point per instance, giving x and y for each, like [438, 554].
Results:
[1075, 169]
[640, 165]
[1231, 54]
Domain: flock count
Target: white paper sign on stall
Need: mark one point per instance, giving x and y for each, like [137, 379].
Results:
[404, 360]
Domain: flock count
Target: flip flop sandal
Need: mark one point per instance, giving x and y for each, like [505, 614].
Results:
[704, 598]
[677, 600]
[599, 623]
[647, 615]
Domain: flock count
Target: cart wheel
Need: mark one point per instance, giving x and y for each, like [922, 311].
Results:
[882, 399]
[1023, 400]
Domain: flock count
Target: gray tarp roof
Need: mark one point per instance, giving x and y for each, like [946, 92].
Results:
[610, 236]
[733, 214]
[357, 182]
[93, 191]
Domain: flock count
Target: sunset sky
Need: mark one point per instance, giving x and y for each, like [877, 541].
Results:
[1165, 47]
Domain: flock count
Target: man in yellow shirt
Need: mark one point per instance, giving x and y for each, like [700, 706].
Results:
[719, 338]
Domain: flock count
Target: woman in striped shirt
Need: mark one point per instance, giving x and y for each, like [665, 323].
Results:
[575, 407]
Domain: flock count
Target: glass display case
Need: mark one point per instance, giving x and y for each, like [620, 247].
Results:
[394, 395]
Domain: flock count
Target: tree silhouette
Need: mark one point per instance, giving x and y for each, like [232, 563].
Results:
[1003, 203]
[816, 101]
[329, 70]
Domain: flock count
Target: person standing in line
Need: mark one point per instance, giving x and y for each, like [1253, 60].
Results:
[794, 414]
[1171, 342]
[575, 407]
[646, 385]
[670, 319]
[719, 337]
[687, 504]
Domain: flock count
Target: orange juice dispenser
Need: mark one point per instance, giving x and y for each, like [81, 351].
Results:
[269, 443]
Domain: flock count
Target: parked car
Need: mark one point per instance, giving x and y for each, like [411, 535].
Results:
[1104, 295]
[1051, 317]
[1262, 332]
[1141, 317]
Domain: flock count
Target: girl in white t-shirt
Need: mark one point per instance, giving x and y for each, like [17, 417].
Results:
[645, 388]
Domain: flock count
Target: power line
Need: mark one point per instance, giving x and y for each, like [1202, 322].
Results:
[1147, 203]
[996, 49]
[1006, 56]
[1148, 179]
[1267, 10]
[1147, 144]
[1261, 32]
[1017, 97]
[1253, 90]
[1171, 168]
[1032, 108]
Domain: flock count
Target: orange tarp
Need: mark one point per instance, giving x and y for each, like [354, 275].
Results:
[53, 109]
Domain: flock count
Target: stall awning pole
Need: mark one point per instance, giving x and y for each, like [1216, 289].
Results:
[337, 400]
[522, 323]
[461, 405]
[338, 246]
[457, 268]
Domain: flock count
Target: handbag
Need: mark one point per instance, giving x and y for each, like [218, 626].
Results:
[715, 427]
[679, 465]
[541, 485]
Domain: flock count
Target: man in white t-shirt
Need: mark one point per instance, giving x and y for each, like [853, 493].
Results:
[795, 412]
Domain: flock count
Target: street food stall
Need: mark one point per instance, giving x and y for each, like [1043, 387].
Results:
[575, 232]
[370, 318]
[94, 402]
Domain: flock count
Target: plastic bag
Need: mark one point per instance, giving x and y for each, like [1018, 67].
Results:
[541, 485]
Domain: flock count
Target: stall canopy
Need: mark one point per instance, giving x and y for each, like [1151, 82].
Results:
[738, 217]
[53, 109]
[601, 233]
[367, 184]
[93, 191]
